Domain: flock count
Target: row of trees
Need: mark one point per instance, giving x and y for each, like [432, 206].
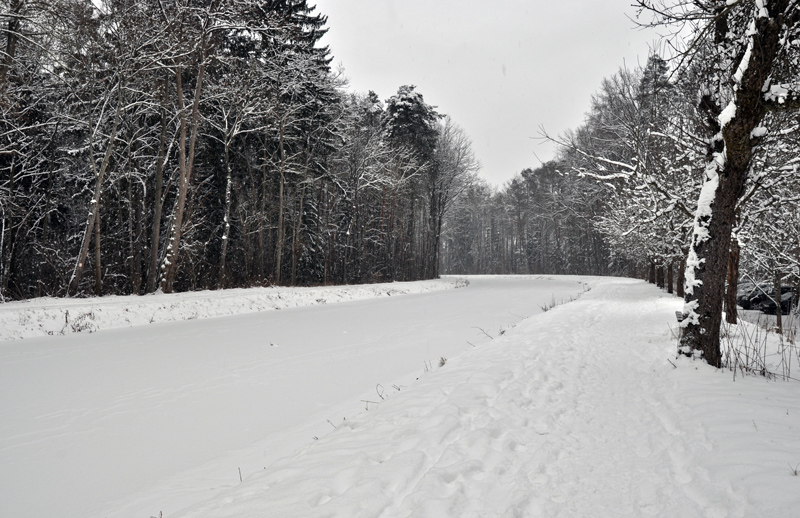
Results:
[150, 145]
[681, 173]
[617, 200]
[702, 156]
[542, 221]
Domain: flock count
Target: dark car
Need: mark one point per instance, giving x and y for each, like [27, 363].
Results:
[750, 295]
[759, 297]
[788, 299]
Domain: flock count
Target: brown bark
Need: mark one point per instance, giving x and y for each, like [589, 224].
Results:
[712, 236]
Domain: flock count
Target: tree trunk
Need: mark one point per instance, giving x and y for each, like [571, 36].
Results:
[777, 294]
[227, 218]
[7, 244]
[137, 245]
[708, 265]
[670, 276]
[170, 265]
[94, 204]
[728, 162]
[297, 236]
[731, 311]
[681, 280]
[12, 36]
[265, 194]
[281, 233]
[298, 227]
[158, 195]
[437, 244]
[98, 270]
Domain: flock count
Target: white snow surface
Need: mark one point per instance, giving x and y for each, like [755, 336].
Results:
[54, 316]
[582, 410]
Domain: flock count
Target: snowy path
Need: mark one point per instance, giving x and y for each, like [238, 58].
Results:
[132, 421]
[575, 412]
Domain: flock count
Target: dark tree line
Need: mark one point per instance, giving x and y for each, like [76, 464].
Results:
[187, 145]
[540, 222]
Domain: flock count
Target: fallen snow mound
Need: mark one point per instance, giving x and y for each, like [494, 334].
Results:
[55, 316]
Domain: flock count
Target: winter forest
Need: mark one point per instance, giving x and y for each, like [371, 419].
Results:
[189, 145]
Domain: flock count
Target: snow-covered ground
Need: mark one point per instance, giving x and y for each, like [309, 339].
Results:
[790, 322]
[582, 410]
[89, 419]
[51, 316]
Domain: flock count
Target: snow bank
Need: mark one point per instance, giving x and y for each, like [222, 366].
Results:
[53, 316]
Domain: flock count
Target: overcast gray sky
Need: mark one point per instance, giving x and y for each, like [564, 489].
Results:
[499, 68]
